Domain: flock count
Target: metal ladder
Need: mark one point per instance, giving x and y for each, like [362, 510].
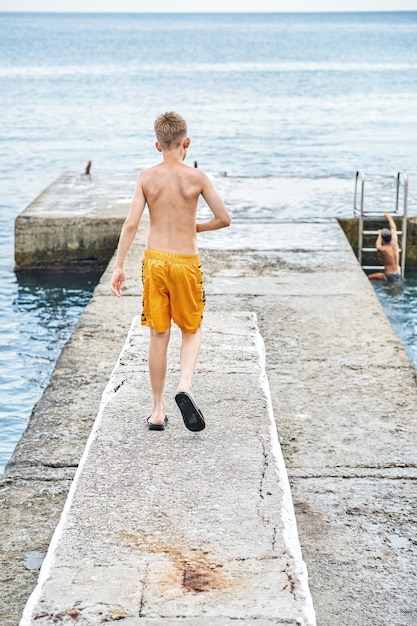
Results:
[376, 216]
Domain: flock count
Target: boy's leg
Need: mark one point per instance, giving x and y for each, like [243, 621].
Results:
[191, 414]
[377, 276]
[190, 348]
[157, 361]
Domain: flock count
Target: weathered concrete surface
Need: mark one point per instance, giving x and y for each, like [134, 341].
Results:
[162, 526]
[343, 393]
[344, 396]
[74, 222]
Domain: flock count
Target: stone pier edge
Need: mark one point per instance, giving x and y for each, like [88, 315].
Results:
[289, 522]
[47, 564]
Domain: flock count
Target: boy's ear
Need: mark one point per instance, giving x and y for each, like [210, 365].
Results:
[158, 146]
[186, 142]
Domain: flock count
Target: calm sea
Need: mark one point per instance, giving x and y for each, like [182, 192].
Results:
[289, 106]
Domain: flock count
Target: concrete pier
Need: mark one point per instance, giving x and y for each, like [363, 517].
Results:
[74, 222]
[343, 396]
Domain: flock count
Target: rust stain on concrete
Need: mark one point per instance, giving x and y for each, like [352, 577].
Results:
[192, 568]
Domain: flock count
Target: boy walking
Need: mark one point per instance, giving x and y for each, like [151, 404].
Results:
[171, 269]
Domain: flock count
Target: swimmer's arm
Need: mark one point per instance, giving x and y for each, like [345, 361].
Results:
[392, 226]
[221, 217]
[378, 244]
[127, 235]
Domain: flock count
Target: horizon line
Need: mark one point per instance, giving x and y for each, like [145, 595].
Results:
[163, 12]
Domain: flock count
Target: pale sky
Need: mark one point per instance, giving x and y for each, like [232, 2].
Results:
[209, 6]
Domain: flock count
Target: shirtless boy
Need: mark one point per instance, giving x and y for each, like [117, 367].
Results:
[171, 268]
[387, 246]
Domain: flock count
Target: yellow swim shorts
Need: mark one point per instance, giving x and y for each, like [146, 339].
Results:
[172, 290]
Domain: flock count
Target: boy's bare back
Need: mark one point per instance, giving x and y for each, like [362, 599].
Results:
[390, 257]
[171, 191]
[389, 251]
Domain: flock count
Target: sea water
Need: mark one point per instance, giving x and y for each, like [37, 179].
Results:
[282, 110]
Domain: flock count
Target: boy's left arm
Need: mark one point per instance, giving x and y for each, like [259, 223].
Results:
[127, 235]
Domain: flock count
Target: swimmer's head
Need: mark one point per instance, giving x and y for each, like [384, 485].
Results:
[386, 235]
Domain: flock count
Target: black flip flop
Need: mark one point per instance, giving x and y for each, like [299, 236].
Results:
[153, 426]
[191, 414]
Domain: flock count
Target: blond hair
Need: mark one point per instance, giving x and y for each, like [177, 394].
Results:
[170, 129]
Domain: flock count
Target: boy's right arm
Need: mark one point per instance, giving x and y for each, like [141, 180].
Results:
[127, 235]
[221, 216]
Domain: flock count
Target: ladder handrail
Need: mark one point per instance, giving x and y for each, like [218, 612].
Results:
[405, 208]
[402, 178]
[360, 176]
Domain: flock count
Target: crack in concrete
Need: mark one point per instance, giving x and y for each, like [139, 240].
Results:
[56, 465]
[105, 613]
[116, 389]
[391, 471]
[262, 481]
[246, 621]
[352, 476]
[260, 559]
[18, 480]
[142, 596]
[29, 464]
[274, 537]
[378, 466]
[291, 582]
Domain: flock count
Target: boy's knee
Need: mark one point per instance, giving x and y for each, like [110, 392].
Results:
[163, 335]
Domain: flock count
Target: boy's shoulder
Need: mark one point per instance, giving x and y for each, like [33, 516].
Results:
[181, 169]
[149, 170]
